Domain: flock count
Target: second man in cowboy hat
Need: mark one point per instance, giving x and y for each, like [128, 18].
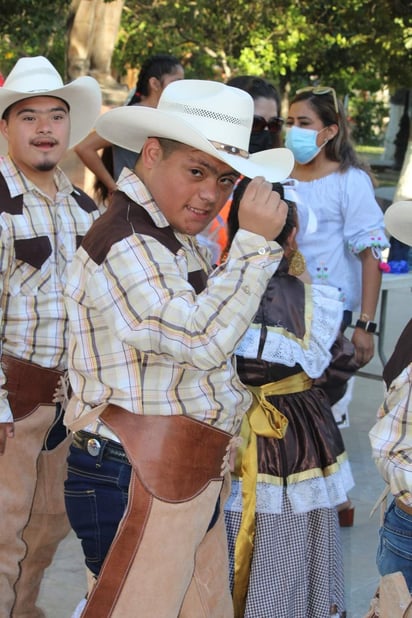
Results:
[42, 220]
[156, 396]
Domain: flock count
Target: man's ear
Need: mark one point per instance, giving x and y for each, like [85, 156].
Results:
[4, 129]
[151, 152]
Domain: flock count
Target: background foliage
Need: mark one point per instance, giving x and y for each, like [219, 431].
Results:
[357, 46]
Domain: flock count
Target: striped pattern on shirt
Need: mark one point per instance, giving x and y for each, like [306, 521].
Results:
[141, 336]
[38, 237]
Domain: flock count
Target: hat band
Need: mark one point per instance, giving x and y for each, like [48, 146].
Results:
[234, 150]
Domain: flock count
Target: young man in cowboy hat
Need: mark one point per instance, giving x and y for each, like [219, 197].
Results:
[151, 366]
[42, 220]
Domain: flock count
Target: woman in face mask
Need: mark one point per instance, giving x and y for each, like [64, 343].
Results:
[344, 234]
[267, 123]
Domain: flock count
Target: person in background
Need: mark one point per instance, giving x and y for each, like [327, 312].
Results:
[341, 233]
[156, 398]
[156, 73]
[42, 221]
[267, 121]
[344, 234]
[391, 436]
[266, 133]
[292, 470]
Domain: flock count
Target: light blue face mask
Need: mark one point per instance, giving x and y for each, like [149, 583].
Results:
[302, 142]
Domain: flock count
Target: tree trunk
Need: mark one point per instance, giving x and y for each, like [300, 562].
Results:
[404, 188]
[93, 30]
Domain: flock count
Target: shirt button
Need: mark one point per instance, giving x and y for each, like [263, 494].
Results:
[262, 251]
[246, 289]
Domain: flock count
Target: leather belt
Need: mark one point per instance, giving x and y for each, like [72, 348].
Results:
[99, 447]
[28, 385]
[404, 507]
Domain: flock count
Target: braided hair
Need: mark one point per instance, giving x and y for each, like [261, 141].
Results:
[157, 66]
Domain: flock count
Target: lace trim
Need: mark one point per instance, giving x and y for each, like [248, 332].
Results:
[304, 496]
[312, 354]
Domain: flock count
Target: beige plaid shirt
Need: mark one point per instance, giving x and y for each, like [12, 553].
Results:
[391, 437]
[142, 339]
[36, 248]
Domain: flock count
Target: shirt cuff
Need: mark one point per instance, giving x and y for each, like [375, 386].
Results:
[255, 248]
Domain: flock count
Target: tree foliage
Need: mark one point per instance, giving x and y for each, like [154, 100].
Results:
[352, 44]
[33, 27]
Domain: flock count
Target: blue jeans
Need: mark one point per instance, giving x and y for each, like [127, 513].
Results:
[395, 546]
[96, 493]
[96, 497]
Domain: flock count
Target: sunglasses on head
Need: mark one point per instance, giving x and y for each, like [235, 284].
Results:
[320, 90]
[273, 124]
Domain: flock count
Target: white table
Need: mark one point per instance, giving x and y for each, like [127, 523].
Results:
[389, 282]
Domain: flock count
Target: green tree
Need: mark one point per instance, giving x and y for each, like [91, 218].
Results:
[33, 27]
[352, 44]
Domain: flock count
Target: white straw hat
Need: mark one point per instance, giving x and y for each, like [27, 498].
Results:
[398, 221]
[209, 116]
[36, 76]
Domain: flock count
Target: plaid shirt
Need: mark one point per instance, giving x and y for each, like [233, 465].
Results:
[143, 339]
[36, 246]
[391, 437]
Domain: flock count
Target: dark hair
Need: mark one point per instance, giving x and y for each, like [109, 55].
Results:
[256, 87]
[154, 66]
[340, 148]
[101, 192]
[233, 219]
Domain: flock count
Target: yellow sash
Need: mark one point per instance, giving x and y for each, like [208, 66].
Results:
[262, 419]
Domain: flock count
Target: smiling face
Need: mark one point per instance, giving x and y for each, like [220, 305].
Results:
[37, 130]
[189, 186]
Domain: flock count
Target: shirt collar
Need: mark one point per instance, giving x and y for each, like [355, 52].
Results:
[137, 191]
[19, 184]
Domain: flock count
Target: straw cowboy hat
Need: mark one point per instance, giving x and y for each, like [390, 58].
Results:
[36, 76]
[398, 221]
[206, 115]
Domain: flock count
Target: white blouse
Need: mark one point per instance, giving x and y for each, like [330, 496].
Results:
[338, 218]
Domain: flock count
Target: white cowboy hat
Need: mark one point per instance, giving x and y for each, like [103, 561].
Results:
[209, 116]
[398, 221]
[36, 76]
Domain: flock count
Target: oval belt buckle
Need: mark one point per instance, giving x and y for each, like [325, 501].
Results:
[93, 447]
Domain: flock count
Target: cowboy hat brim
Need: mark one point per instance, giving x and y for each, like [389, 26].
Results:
[83, 97]
[398, 221]
[129, 127]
